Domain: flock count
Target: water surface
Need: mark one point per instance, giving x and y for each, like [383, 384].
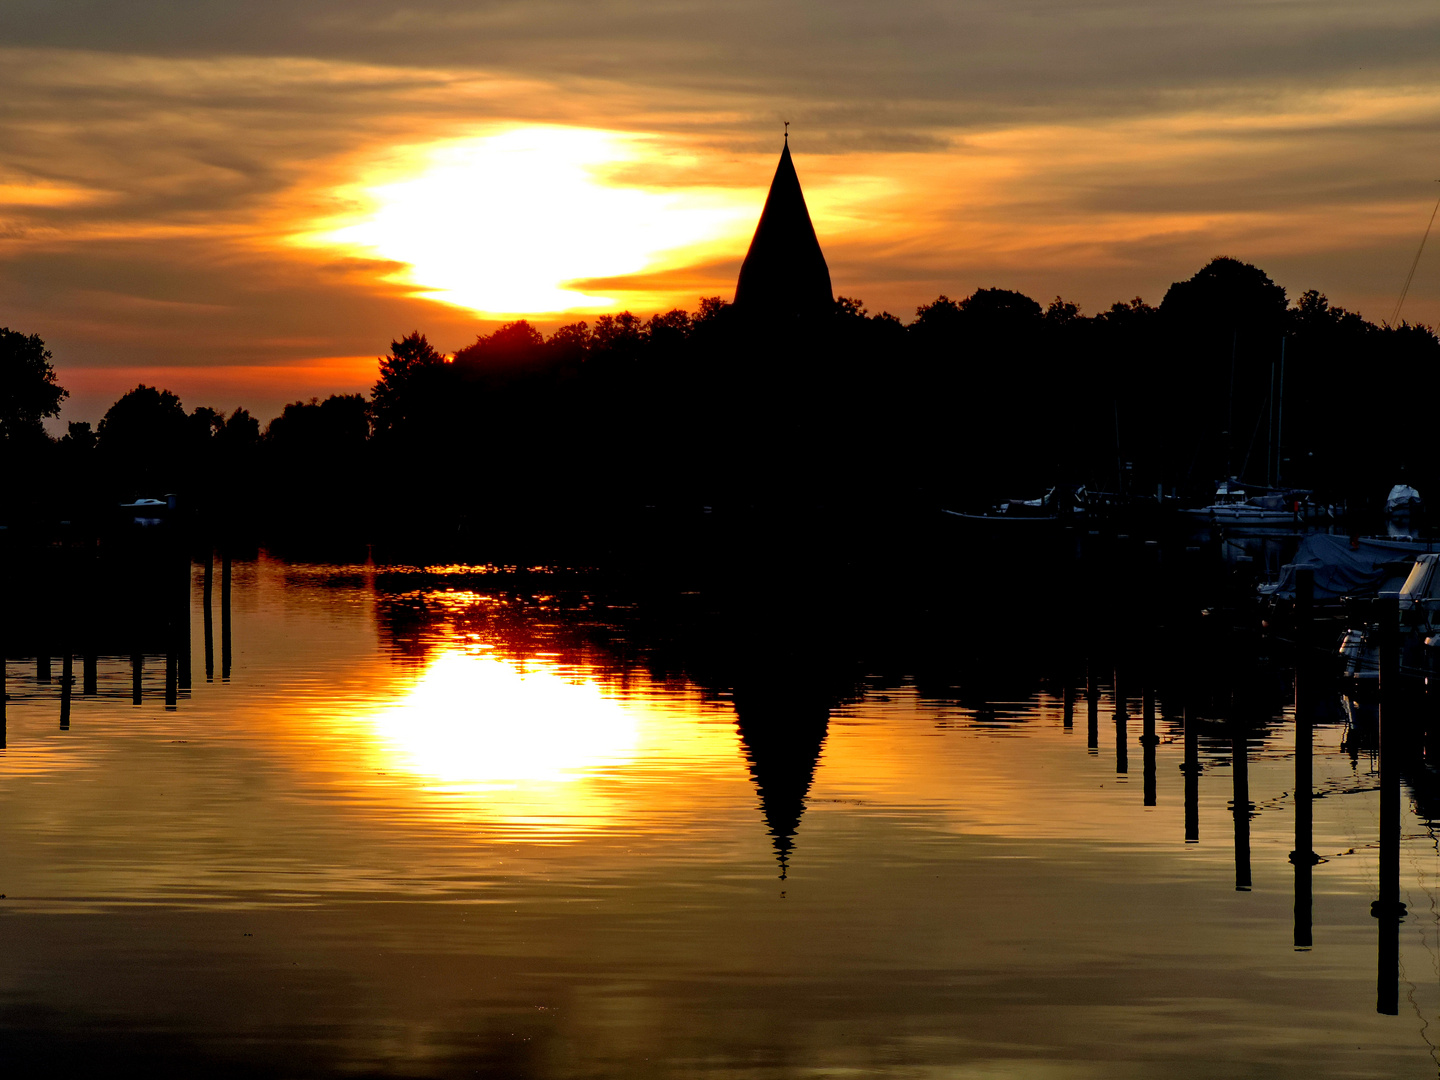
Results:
[436, 822]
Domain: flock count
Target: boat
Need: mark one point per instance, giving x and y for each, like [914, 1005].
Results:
[1344, 568]
[1050, 509]
[148, 512]
[1234, 506]
[1403, 501]
[1417, 635]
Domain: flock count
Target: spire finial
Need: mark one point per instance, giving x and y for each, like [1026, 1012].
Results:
[787, 131]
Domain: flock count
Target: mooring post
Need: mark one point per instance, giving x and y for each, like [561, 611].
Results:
[1122, 744]
[137, 674]
[1122, 734]
[1092, 709]
[182, 614]
[67, 683]
[207, 591]
[1067, 708]
[1387, 909]
[1240, 804]
[42, 669]
[92, 673]
[1148, 740]
[172, 678]
[1191, 769]
[1302, 856]
[225, 615]
[1304, 606]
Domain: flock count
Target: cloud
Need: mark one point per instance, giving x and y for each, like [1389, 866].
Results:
[157, 158]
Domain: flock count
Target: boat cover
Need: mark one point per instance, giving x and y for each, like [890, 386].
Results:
[1339, 569]
[1401, 496]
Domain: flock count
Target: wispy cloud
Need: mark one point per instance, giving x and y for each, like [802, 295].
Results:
[156, 157]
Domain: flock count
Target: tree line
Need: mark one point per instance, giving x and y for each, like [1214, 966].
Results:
[989, 396]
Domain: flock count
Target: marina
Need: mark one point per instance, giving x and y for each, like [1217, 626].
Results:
[424, 818]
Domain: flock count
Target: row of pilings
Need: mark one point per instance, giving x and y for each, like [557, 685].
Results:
[124, 600]
[1401, 735]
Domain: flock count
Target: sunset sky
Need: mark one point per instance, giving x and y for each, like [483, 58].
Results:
[246, 203]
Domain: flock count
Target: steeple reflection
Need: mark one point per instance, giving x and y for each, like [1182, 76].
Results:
[782, 735]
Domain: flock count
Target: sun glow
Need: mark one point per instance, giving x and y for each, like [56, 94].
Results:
[517, 221]
[547, 752]
[477, 722]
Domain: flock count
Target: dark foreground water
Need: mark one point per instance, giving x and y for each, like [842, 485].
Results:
[428, 827]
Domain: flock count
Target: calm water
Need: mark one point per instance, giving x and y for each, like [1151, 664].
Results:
[430, 827]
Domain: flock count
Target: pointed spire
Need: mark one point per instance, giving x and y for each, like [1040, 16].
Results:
[784, 272]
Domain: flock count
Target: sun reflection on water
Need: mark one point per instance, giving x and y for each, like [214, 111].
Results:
[537, 747]
[477, 722]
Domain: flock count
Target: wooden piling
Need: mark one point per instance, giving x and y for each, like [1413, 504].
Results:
[182, 617]
[1240, 802]
[1092, 710]
[1302, 856]
[42, 669]
[1148, 740]
[67, 683]
[92, 674]
[225, 616]
[137, 675]
[207, 591]
[1191, 769]
[1388, 909]
[172, 679]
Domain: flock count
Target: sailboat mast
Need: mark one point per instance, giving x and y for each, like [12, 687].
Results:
[1280, 415]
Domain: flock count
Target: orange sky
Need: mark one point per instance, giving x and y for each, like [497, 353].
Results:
[247, 211]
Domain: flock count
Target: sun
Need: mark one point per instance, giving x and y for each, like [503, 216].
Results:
[512, 221]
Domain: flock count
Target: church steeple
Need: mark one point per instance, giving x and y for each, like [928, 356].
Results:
[784, 272]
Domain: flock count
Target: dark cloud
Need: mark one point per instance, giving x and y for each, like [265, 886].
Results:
[992, 57]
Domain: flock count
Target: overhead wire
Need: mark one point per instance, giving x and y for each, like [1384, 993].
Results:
[1405, 289]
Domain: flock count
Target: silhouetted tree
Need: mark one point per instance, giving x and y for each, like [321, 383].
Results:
[412, 385]
[28, 390]
[144, 438]
[513, 347]
[79, 438]
[240, 433]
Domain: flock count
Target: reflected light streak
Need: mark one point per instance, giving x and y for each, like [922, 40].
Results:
[501, 223]
[477, 722]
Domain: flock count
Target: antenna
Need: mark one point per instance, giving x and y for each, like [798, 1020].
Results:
[1395, 315]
